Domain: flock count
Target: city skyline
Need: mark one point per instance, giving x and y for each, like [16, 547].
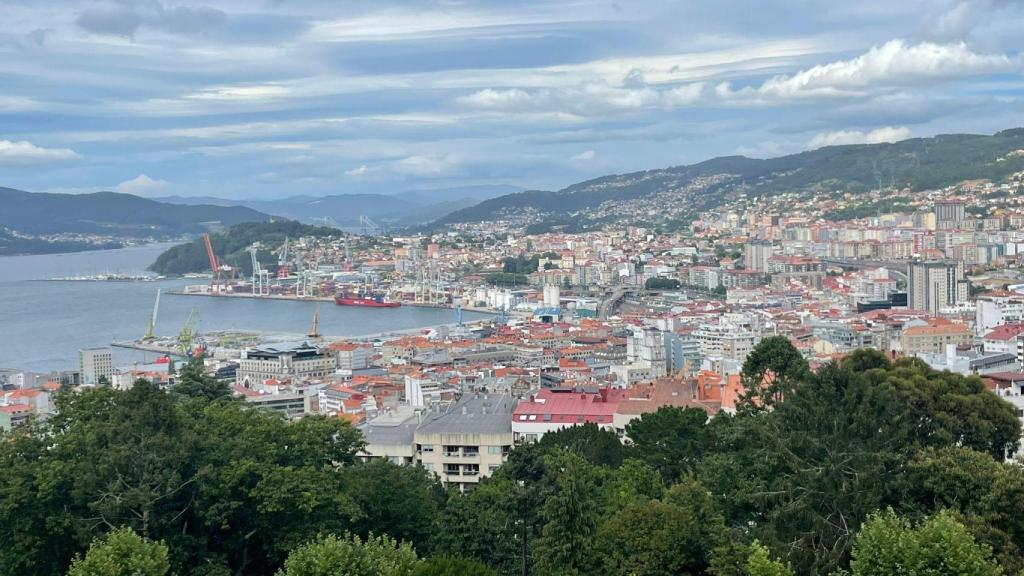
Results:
[262, 100]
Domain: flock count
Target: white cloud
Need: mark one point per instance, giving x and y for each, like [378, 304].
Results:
[894, 63]
[253, 93]
[585, 100]
[23, 153]
[141, 185]
[584, 156]
[876, 136]
[422, 165]
[362, 170]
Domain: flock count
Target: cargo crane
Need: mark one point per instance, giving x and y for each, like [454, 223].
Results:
[260, 277]
[369, 224]
[214, 265]
[152, 319]
[187, 336]
[282, 261]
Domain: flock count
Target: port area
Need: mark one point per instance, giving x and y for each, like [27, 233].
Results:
[172, 345]
[190, 291]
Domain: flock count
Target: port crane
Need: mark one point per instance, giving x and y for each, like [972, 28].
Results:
[260, 277]
[152, 319]
[369, 224]
[282, 261]
[187, 336]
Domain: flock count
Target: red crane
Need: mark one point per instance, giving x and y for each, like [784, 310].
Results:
[214, 265]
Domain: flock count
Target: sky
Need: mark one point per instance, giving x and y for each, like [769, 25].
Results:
[275, 98]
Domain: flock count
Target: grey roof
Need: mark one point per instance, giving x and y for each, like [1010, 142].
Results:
[473, 415]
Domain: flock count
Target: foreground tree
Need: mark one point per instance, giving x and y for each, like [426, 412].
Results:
[772, 369]
[570, 516]
[122, 553]
[888, 544]
[662, 538]
[671, 440]
[351, 556]
[449, 566]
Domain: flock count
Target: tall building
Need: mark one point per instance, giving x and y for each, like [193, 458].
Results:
[935, 284]
[950, 212]
[756, 255]
[95, 363]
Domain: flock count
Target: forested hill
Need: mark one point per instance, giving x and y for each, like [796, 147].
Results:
[920, 163]
[112, 214]
[231, 246]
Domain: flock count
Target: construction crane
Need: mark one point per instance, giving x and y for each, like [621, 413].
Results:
[260, 277]
[214, 265]
[187, 336]
[152, 319]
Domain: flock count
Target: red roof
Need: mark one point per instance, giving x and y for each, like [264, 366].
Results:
[1005, 332]
[567, 407]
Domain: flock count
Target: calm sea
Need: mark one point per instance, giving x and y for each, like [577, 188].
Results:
[44, 324]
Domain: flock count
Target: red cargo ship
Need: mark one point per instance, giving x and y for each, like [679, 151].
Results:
[367, 301]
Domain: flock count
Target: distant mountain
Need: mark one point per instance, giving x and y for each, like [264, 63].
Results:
[405, 208]
[112, 214]
[920, 163]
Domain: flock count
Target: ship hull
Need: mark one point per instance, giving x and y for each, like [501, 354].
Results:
[365, 302]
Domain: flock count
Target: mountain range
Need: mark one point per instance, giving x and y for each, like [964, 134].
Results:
[112, 214]
[406, 208]
[661, 195]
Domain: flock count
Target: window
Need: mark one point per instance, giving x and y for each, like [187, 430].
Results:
[494, 450]
[426, 447]
[428, 466]
[493, 467]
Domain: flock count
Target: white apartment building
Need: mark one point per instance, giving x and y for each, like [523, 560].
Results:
[295, 362]
[94, 364]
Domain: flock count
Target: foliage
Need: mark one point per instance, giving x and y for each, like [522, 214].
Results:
[671, 440]
[351, 556]
[506, 279]
[888, 544]
[662, 538]
[408, 504]
[597, 445]
[122, 553]
[219, 484]
[449, 566]
[193, 383]
[662, 284]
[770, 371]
[570, 518]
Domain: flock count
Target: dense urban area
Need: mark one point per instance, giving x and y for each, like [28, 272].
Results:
[788, 385]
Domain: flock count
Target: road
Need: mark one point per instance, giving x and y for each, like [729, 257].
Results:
[896, 269]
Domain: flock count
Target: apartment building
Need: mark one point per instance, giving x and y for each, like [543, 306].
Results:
[466, 441]
[286, 362]
[94, 364]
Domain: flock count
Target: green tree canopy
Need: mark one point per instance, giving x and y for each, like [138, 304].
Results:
[671, 440]
[122, 553]
[888, 544]
[351, 556]
[771, 370]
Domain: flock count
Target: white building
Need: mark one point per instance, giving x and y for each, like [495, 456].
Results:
[94, 364]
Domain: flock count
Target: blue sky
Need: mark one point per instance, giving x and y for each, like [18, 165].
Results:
[261, 99]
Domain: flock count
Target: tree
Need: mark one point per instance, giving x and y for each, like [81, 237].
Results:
[597, 445]
[760, 563]
[351, 556]
[770, 371]
[122, 553]
[570, 517]
[671, 440]
[662, 538]
[487, 525]
[401, 501]
[634, 481]
[888, 544]
[193, 383]
[449, 566]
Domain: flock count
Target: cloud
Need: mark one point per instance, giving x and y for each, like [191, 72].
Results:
[141, 185]
[585, 100]
[894, 63]
[362, 170]
[876, 136]
[25, 153]
[126, 18]
[422, 165]
[584, 156]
